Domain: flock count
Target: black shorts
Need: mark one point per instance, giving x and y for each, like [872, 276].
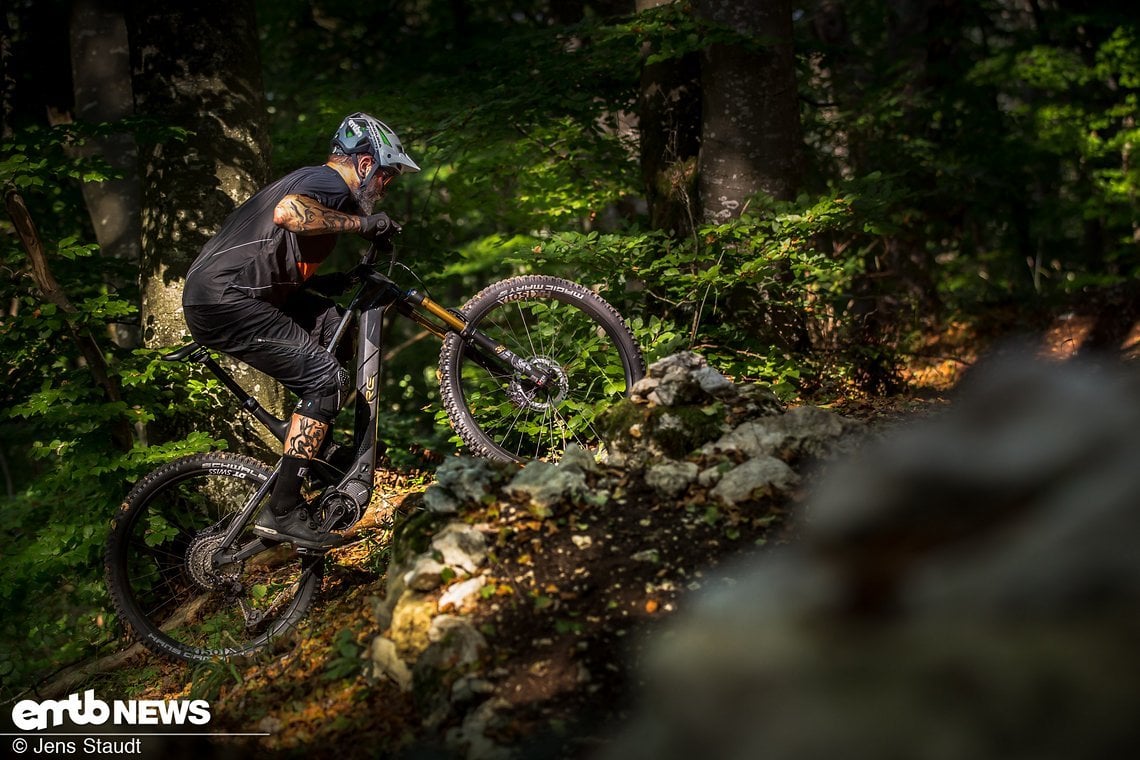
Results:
[287, 344]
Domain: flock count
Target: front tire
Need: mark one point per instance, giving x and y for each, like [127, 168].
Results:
[159, 570]
[559, 326]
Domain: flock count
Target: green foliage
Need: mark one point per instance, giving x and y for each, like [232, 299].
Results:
[66, 476]
[346, 661]
[750, 294]
[983, 155]
[210, 678]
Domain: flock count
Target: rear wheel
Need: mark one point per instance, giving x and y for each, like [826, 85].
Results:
[161, 572]
[557, 326]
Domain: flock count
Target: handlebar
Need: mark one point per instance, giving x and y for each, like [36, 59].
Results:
[376, 247]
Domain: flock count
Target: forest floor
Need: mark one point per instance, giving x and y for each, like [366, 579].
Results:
[566, 635]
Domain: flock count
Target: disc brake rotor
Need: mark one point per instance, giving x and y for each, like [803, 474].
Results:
[528, 396]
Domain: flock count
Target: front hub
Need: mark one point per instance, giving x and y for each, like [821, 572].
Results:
[526, 395]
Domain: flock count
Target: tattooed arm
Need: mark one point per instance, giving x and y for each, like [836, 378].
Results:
[302, 215]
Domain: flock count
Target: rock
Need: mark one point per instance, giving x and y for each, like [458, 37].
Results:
[411, 621]
[755, 479]
[673, 381]
[426, 573]
[754, 400]
[804, 430]
[661, 432]
[671, 478]
[470, 740]
[455, 649]
[1041, 460]
[439, 501]
[714, 383]
[710, 475]
[578, 459]
[454, 643]
[462, 480]
[469, 688]
[546, 484]
[460, 546]
[967, 587]
[458, 594]
[386, 663]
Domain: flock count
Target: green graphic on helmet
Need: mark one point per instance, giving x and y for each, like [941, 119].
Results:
[361, 133]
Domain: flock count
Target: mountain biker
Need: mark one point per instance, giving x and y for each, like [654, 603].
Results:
[252, 294]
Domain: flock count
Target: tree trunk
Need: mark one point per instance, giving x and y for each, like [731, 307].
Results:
[196, 68]
[7, 81]
[101, 77]
[751, 136]
[669, 115]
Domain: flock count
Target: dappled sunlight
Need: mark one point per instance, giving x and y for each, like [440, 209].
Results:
[1066, 336]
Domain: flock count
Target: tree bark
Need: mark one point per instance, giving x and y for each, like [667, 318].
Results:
[101, 77]
[751, 138]
[669, 116]
[7, 81]
[196, 67]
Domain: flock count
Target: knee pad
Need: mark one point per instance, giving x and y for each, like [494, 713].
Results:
[324, 403]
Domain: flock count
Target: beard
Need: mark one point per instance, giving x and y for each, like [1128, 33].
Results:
[366, 197]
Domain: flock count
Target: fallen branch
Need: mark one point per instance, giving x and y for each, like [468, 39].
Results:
[68, 681]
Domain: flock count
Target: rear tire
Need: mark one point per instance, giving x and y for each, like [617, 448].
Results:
[161, 580]
[560, 326]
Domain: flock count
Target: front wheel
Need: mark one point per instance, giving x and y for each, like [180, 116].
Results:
[559, 327]
[162, 569]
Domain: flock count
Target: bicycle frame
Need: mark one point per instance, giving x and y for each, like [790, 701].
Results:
[369, 306]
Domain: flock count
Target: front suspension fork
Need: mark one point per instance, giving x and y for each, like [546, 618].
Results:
[493, 356]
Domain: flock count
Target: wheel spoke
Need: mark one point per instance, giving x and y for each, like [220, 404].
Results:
[162, 574]
[583, 346]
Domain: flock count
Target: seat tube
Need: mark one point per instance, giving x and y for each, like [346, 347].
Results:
[369, 349]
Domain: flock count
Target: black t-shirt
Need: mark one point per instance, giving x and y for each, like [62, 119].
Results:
[251, 257]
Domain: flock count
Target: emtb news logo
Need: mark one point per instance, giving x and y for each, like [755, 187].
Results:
[29, 715]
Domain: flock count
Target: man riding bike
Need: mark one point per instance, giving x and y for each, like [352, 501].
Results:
[250, 294]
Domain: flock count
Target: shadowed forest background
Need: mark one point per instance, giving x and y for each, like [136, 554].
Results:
[838, 198]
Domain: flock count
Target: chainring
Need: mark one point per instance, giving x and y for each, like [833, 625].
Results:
[335, 511]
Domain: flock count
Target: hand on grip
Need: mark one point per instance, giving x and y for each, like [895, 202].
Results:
[377, 226]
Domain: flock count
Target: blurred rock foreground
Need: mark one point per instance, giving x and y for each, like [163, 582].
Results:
[963, 587]
[696, 468]
[968, 587]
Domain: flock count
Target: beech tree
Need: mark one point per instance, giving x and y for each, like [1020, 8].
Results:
[196, 69]
[101, 81]
[751, 138]
[669, 113]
